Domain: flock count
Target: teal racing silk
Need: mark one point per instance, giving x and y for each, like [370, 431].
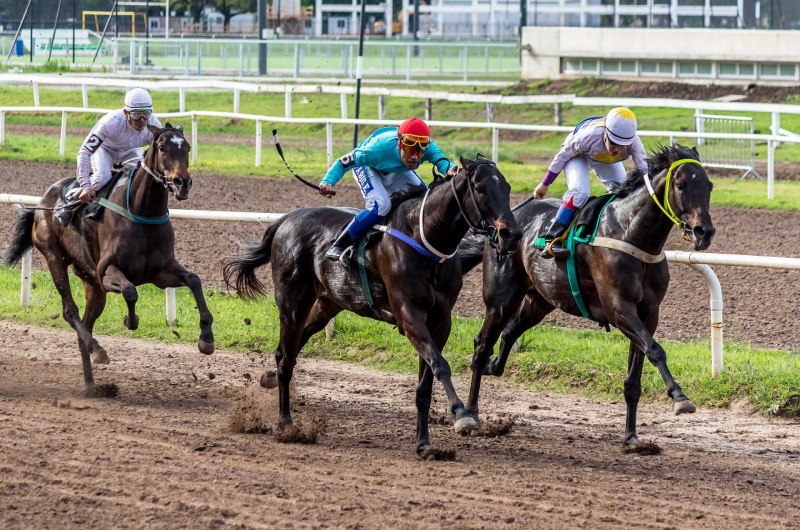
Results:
[381, 152]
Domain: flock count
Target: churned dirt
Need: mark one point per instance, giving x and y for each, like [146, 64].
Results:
[684, 313]
[164, 453]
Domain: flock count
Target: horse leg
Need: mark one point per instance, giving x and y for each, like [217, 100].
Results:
[633, 390]
[95, 304]
[174, 275]
[533, 310]
[114, 280]
[631, 326]
[56, 262]
[411, 323]
[321, 313]
[424, 393]
[494, 321]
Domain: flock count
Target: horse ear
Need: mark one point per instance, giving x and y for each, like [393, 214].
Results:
[153, 129]
[481, 157]
[168, 125]
[696, 154]
[179, 128]
[465, 162]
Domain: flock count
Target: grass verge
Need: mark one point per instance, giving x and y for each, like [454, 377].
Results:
[587, 362]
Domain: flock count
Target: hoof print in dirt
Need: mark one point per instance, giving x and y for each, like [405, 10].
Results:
[307, 432]
[495, 428]
[103, 390]
[434, 453]
[642, 448]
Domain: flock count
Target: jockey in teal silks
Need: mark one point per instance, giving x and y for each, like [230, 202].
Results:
[381, 164]
[600, 144]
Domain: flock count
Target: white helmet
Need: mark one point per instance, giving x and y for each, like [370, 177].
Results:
[621, 126]
[138, 98]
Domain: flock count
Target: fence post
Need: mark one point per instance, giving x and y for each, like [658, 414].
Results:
[495, 144]
[258, 143]
[770, 169]
[62, 145]
[394, 60]
[194, 137]
[699, 125]
[241, 58]
[171, 306]
[381, 107]
[408, 63]
[558, 113]
[330, 329]
[287, 102]
[182, 99]
[329, 142]
[428, 109]
[35, 94]
[489, 112]
[25, 288]
[186, 65]
[131, 53]
[466, 62]
[85, 96]
[343, 104]
[236, 100]
[2, 126]
[776, 126]
[296, 60]
[199, 57]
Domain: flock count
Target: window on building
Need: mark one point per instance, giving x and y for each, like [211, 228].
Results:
[611, 66]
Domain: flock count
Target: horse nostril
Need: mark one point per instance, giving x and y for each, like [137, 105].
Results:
[178, 182]
[505, 234]
[699, 232]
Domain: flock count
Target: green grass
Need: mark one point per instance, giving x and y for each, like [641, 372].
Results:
[586, 362]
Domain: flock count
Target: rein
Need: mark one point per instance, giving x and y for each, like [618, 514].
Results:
[666, 207]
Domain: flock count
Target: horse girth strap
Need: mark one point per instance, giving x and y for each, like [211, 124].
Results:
[667, 207]
[362, 272]
[127, 213]
[627, 248]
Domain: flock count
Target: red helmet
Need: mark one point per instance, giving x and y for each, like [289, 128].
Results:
[414, 133]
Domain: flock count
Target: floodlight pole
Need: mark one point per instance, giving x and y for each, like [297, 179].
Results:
[359, 69]
[53, 38]
[19, 30]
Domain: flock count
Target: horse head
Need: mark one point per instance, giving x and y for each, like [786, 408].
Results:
[169, 160]
[690, 194]
[486, 200]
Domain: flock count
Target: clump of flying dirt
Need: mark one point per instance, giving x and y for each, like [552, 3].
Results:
[438, 418]
[442, 455]
[254, 411]
[499, 427]
[307, 431]
[643, 448]
[103, 390]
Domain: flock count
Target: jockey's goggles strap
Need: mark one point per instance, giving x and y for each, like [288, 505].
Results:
[666, 207]
[412, 140]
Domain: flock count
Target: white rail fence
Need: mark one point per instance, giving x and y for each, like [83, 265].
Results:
[771, 140]
[699, 261]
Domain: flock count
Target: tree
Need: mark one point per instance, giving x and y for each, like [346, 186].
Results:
[228, 8]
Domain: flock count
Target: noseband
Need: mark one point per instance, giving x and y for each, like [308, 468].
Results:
[666, 207]
[484, 229]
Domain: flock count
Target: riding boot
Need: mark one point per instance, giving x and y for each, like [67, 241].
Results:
[65, 211]
[340, 245]
[554, 248]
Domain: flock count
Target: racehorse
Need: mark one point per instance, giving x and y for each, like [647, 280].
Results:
[617, 287]
[132, 245]
[409, 289]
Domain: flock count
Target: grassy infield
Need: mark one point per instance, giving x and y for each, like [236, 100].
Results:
[584, 361]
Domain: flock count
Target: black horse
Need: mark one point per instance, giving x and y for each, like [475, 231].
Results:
[117, 252]
[618, 288]
[409, 290]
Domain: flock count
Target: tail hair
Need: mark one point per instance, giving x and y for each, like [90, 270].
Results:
[239, 271]
[23, 238]
[470, 252]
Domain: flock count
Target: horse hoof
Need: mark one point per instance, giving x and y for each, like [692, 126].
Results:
[100, 356]
[465, 425]
[422, 448]
[683, 407]
[131, 326]
[206, 348]
[269, 380]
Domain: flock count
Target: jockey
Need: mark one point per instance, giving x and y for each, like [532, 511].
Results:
[381, 164]
[117, 137]
[597, 143]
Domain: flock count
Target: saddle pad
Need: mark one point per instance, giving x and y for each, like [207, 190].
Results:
[93, 210]
[587, 216]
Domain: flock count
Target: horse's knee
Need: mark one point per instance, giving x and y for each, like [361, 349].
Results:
[193, 281]
[441, 369]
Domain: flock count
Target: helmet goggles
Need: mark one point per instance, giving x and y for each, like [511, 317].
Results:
[416, 142]
[139, 114]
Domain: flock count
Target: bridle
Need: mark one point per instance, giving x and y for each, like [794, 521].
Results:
[666, 207]
[484, 229]
[160, 177]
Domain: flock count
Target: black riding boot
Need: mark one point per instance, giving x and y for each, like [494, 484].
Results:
[64, 212]
[554, 230]
[340, 245]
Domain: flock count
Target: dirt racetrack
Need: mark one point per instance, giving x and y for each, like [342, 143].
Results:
[161, 455]
[684, 313]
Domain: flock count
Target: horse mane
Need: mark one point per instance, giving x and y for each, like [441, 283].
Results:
[661, 157]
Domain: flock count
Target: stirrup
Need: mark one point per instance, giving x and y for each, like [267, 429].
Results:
[346, 255]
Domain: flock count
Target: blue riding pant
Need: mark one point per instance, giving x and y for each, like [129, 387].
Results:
[375, 188]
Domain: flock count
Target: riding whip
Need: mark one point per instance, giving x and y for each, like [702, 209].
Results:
[298, 177]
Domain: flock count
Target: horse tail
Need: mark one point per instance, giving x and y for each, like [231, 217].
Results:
[470, 252]
[239, 272]
[23, 238]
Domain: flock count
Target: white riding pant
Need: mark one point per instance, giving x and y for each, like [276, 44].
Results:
[376, 186]
[103, 160]
[577, 172]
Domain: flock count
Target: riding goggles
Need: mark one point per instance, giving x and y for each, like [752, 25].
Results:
[138, 114]
[412, 140]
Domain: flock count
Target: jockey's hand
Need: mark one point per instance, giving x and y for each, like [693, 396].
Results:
[326, 190]
[453, 171]
[87, 196]
[540, 191]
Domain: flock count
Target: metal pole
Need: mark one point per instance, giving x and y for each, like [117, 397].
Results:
[523, 20]
[359, 67]
[262, 46]
[416, 26]
[19, 29]
[74, 16]
[166, 29]
[31, 28]
[171, 309]
[147, 32]
[102, 37]
[53, 38]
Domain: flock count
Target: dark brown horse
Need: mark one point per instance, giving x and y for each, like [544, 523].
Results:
[618, 288]
[118, 252]
[411, 291]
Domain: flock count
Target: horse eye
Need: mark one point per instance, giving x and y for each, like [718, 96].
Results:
[680, 185]
[161, 148]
